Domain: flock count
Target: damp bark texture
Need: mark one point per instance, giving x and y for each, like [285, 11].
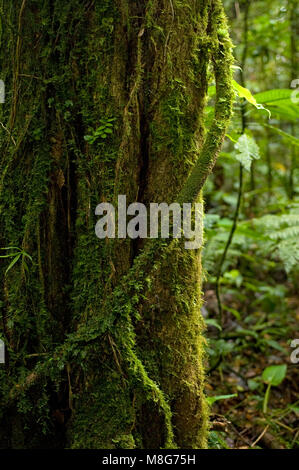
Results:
[104, 338]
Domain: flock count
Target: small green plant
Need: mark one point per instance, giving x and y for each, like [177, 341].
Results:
[217, 441]
[16, 255]
[273, 376]
[247, 150]
[212, 400]
[102, 131]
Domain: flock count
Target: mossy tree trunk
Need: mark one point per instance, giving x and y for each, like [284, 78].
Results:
[104, 343]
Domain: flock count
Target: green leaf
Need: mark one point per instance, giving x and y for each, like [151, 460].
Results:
[274, 344]
[274, 96]
[230, 138]
[289, 112]
[245, 332]
[25, 255]
[294, 408]
[13, 262]
[279, 102]
[11, 248]
[290, 138]
[212, 400]
[212, 322]
[245, 93]
[9, 256]
[233, 311]
[248, 150]
[253, 384]
[274, 375]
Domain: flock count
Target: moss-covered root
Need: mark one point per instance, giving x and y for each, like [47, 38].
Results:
[222, 60]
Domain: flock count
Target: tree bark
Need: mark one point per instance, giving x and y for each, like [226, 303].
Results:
[104, 337]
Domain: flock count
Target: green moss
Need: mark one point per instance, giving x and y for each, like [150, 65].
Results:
[113, 329]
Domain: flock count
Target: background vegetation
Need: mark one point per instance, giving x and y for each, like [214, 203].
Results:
[251, 255]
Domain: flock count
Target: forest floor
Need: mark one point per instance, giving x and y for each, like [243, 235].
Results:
[239, 422]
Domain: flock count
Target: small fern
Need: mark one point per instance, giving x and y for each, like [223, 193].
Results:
[275, 236]
[283, 231]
